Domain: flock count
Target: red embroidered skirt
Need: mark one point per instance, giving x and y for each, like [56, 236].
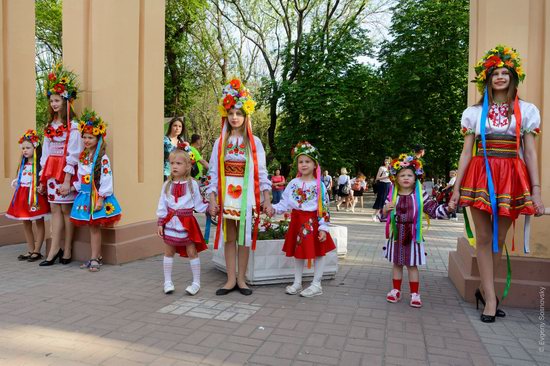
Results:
[302, 238]
[194, 236]
[510, 178]
[19, 208]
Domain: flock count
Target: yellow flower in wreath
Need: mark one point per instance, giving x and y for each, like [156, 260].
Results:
[222, 110]
[402, 156]
[109, 208]
[396, 165]
[95, 131]
[248, 106]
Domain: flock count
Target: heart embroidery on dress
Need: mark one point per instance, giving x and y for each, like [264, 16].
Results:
[234, 191]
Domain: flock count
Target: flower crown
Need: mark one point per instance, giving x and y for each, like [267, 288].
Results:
[30, 136]
[187, 148]
[61, 81]
[406, 161]
[500, 56]
[235, 95]
[91, 123]
[305, 148]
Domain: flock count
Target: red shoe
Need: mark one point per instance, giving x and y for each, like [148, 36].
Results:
[416, 302]
[394, 296]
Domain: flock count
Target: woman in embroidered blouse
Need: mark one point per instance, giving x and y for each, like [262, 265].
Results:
[61, 149]
[174, 135]
[507, 125]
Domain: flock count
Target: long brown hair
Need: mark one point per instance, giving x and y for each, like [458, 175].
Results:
[186, 173]
[62, 114]
[510, 94]
[97, 166]
[247, 120]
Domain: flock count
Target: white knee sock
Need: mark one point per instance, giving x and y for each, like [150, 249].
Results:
[196, 269]
[168, 263]
[318, 270]
[298, 271]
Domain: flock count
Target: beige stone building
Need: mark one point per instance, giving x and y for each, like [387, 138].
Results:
[117, 48]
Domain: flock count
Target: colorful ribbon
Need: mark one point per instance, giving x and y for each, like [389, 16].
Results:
[490, 184]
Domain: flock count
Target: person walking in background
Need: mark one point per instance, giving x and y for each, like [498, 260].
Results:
[277, 186]
[358, 187]
[327, 181]
[344, 187]
[175, 135]
[196, 145]
[383, 183]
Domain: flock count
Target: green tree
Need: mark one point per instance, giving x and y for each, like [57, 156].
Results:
[424, 73]
[329, 101]
[48, 15]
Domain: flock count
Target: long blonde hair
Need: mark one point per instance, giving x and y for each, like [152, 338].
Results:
[186, 174]
[230, 129]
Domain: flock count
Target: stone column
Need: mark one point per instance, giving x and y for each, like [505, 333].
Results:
[17, 100]
[525, 26]
[117, 49]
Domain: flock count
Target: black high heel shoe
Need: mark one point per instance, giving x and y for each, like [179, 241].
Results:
[52, 261]
[479, 298]
[65, 260]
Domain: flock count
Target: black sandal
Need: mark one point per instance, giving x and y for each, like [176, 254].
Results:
[35, 256]
[24, 257]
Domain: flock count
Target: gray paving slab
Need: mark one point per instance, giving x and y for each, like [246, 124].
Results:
[62, 315]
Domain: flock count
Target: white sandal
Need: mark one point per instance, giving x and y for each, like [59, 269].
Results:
[193, 289]
[293, 289]
[312, 290]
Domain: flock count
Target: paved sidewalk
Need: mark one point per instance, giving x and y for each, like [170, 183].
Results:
[62, 315]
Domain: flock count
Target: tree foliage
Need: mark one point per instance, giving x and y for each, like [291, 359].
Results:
[424, 80]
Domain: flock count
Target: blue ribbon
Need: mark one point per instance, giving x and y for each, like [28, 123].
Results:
[490, 185]
[23, 161]
[207, 228]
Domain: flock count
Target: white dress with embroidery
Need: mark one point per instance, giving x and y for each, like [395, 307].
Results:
[55, 147]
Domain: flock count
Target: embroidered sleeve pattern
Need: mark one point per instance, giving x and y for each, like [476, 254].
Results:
[106, 179]
[433, 209]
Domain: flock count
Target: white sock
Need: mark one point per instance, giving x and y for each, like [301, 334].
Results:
[196, 269]
[168, 263]
[298, 271]
[318, 270]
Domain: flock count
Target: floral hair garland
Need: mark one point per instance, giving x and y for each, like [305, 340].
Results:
[406, 161]
[91, 123]
[30, 136]
[235, 95]
[305, 148]
[62, 82]
[500, 56]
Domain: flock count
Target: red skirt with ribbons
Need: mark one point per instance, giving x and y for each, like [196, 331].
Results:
[302, 237]
[510, 179]
[192, 228]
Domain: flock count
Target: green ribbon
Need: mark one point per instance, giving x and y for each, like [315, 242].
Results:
[244, 205]
[508, 274]
[469, 233]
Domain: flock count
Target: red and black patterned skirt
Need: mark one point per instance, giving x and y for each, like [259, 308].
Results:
[510, 179]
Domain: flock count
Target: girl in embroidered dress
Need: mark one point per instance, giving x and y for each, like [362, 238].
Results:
[503, 175]
[95, 205]
[27, 205]
[307, 237]
[405, 246]
[62, 146]
[178, 227]
[237, 181]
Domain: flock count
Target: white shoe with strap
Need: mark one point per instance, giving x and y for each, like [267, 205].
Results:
[293, 289]
[193, 289]
[416, 302]
[168, 287]
[393, 296]
[313, 290]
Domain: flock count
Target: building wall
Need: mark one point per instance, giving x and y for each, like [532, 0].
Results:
[17, 87]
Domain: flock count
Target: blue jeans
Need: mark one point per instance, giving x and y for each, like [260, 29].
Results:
[277, 195]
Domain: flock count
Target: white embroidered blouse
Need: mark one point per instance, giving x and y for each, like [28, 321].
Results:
[301, 195]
